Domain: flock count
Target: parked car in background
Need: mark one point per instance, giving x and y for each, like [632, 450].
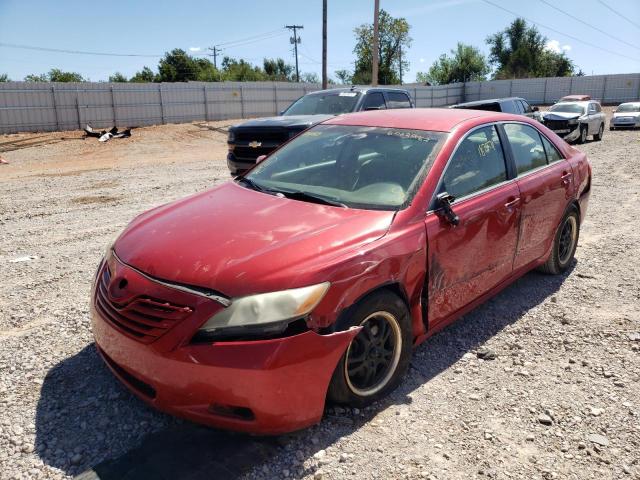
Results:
[575, 121]
[249, 140]
[575, 98]
[515, 105]
[314, 275]
[627, 115]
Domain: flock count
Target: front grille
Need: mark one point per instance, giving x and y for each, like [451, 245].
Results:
[270, 135]
[556, 124]
[248, 153]
[143, 318]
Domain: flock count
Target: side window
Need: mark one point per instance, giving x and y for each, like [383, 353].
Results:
[477, 163]
[526, 145]
[398, 100]
[598, 108]
[509, 106]
[526, 106]
[374, 100]
[553, 155]
[592, 108]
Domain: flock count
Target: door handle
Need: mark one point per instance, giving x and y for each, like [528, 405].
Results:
[512, 203]
[566, 178]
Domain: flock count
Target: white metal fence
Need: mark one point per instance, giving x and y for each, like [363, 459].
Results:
[67, 106]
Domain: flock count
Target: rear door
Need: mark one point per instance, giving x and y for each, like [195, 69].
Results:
[397, 99]
[468, 259]
[545, 181]
[374, 101]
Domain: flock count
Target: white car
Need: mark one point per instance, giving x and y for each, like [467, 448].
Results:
[627, 115]
[574, 121]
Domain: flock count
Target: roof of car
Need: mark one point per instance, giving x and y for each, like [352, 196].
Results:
[584, 103]
[357, 89]
[435, 119]
[629, 103]
[489, 100]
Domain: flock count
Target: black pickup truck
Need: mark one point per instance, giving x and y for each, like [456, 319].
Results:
[249, 140]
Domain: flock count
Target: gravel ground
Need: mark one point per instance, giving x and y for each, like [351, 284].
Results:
[540, 382]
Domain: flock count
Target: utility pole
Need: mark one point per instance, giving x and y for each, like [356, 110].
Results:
[400, 56]
[215, 52]
[295, 40]
[374, 47]
[324, 44]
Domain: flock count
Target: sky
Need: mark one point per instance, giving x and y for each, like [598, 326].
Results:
[598, 40]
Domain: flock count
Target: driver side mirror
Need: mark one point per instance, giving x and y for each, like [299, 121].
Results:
[373, 108]
[444, 202]
[534, 109]
[260, 158]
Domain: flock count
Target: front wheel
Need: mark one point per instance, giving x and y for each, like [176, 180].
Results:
[598, 136]
[583, 134]
[564, 244]
[378, 357]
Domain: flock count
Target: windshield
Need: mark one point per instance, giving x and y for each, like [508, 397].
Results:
[352, 166]
[568, 108]
[628, 107]
[333, 103]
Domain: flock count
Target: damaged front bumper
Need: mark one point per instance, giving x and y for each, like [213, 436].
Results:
[262, 387]
[565, 130]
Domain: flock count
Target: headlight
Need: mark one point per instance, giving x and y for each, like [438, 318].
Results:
[232, 136]
[267, 310]
[573, 121]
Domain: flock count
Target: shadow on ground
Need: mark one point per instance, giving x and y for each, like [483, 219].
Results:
[86, 419]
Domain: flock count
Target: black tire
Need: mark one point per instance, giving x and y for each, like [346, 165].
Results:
[598, 136]
[583, 134]
[378, 357]
[564, 244]
[611, 128]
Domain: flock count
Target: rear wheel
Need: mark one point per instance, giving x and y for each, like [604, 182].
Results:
[378, 357]
[598, 136]
[564, 244]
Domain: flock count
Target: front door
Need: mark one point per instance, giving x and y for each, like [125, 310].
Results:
[468, 259]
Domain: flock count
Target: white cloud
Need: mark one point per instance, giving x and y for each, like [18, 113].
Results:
[422, 60]
[554, 46]
[195, 49]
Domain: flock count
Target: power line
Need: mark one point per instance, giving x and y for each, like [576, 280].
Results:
[589, 25]
[258, 36]
[592, 45]
[295, 40]
[620, 14]
[77, 52]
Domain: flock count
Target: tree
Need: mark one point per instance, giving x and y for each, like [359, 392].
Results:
[241, 71]
[393, 36]
[4, 78]
[57, 75]
[143, 76]
[344, 76]
[278, 70]
[423, 77]
[465, 64]
[519, 51]
[310, 77]
[36, 78]
[177, 66]
[117, 78]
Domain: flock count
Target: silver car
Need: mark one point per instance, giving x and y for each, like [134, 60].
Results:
[627, 115]
[575, 121]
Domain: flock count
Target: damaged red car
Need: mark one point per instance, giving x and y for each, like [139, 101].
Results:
[312, 277]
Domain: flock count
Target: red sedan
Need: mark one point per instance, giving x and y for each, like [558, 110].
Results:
[314, 275]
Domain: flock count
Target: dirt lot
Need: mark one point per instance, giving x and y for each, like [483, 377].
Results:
[561, 399]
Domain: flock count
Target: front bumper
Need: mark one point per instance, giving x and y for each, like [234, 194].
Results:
[262, 387]
[619, 122]
[237, 166]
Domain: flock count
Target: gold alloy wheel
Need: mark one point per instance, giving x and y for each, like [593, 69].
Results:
[373, 355]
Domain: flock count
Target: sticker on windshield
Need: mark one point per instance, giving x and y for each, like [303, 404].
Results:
[347, 94]
[408, 134]
[485, 148]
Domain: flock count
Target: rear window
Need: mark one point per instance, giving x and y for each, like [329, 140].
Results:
[398, 100]
[491, 107]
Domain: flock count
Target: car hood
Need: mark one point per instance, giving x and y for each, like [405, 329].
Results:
[301, 121]
[560, 115]
[626, 114]
[239, 241]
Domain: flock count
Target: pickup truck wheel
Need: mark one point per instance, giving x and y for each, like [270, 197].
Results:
[598, 136]
[583, 134]
[611, 128]
[378, 357]
[564, 244]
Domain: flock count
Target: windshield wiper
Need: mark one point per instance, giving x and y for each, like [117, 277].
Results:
[253, 185]
[310, 197]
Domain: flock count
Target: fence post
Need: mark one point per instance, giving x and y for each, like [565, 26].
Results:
[78, 109]
[544, 94]
[113, 107]
[604, 88]
[571, 86]
[55, 106]
[415, 96]
[241, 102]
[206, 106]
[161, 102]
[431, 88]
[511, 88]
[275, 97]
